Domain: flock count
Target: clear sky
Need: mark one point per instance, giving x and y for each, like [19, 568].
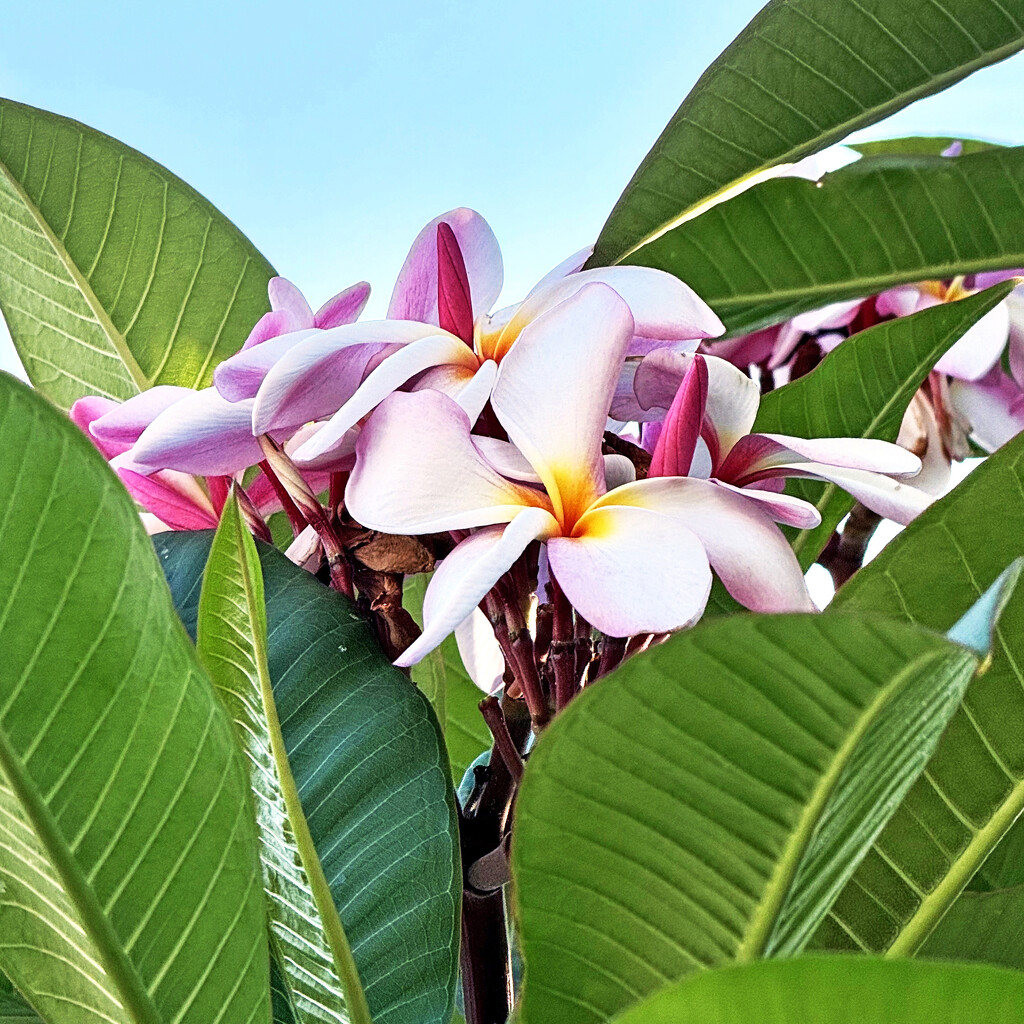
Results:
[330, 132]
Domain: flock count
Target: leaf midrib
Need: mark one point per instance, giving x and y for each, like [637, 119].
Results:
[764, 918]
[131, 990]
[334, 931]
[867, 116]
[139, 379]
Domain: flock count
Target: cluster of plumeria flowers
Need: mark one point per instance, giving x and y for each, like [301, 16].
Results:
[576, 465]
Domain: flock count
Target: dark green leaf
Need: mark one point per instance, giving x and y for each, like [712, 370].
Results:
[131, 888]
[369, 760]
[790, 245]
[308, 941]
[921, 145]
[984, 927]
[838, 990]
[862, 389]
[707, 802]
[973, 789]
[803, 74]
[114, 274]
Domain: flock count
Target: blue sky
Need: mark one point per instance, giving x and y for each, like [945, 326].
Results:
[331, 132]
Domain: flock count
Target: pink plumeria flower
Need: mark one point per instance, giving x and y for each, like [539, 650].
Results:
[439, 333]
[978, 350]
[711, 407]
[632, 558]
[176, 499]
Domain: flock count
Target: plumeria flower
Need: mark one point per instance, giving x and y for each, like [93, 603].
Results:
[706, 433]
[176, 499]
[632, 558]
[440, 335]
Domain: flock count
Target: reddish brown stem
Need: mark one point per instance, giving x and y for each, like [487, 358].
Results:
[562, 656]
[291, 510]
[613, 650]
[490, 708]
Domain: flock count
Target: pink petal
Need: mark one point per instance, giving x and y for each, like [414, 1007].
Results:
[618, 470]
[747, 349]
[415, 294]
[662, 306]
[454, 306]
[979, 349]
[316, 377]
[673, 454]
[507, 459]
[240, 376]
[470, 388]
[779, 506]
[465, 576]
[903, 301]
[897, 501]
[344, 308]
[570, 265]
[631, 570]
[273, 325]
[745, 548]
[992, 406]
[758, 453]
[85, 412]
[480, 652]
[203, 434]
[418, 471]
[391, 374]
[553, 392]
[125, 422]
[286, 298]
[175, 498]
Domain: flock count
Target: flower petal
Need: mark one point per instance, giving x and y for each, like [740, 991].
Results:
[125, 422]
[782, 507]
[465, 576]
[273, 325]
[415, 294]
[631, 570]
[418, 471]
[286, 297]
[85, 412]
[673, 453]
[470, 388]
[553, 392]
[344, 308]
[316, 377]
[240, 376]
[757, 453]
[662, 306]
[977, 351]
[480, 651]
[391, 374]
[745, 548]
[992, 406]
[203, 434]
[175, 498]
[892, 499]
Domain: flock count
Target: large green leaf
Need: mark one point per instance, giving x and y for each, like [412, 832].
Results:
[128, 861]
[986, 927]
[973, 789]
[317, 975]
[862, 389]
[709, 800]
[790, 245]
[801, 75]
[369, 761]
[455, 697]
[114, 274]
[838, 990]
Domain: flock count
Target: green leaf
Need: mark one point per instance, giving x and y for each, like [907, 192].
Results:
[707, 803]
[922, 145]
[983, 927]
[369, 761]
[128, 860]
[114, 274]
[862, 389]
[838, 990]
[454, 696]
[14, 1009]
[308, 939]
[973, 789]
[790, 245]
[802, 75]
